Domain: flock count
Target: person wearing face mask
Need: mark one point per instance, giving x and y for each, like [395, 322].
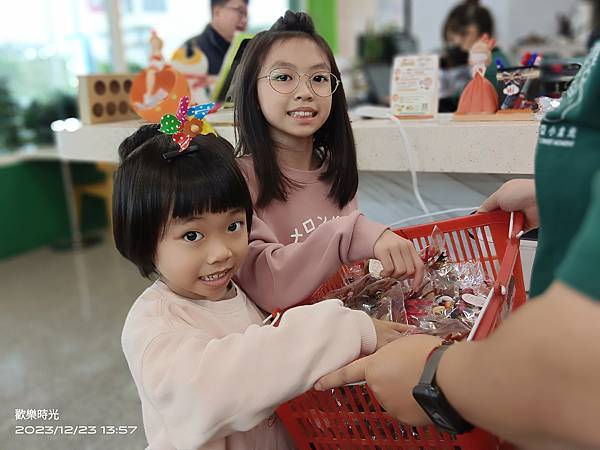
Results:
[466, 24]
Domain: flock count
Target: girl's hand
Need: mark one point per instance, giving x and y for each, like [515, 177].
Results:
[515, 195]
[389, 331]
[399, 258]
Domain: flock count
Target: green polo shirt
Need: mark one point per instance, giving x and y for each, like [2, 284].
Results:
[581, 267]
[567, 170]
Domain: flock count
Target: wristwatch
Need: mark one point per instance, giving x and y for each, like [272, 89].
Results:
[430, 397]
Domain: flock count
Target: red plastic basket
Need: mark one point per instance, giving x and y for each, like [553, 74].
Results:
[350, 417]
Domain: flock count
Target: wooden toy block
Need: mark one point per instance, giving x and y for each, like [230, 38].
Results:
[105, 98]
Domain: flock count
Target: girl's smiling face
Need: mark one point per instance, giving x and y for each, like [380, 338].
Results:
[298, 115]
[197, 257]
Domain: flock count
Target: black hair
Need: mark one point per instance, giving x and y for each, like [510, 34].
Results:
[334, 141]
[149, 190]
[214, 3]
[470, 12]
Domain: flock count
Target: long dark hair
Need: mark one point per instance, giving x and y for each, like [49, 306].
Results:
[148, 190]
[334, 139]
[470, 12]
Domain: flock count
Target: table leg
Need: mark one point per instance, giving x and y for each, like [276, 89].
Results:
[71, 210]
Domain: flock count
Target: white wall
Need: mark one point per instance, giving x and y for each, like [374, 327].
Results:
[429, 17]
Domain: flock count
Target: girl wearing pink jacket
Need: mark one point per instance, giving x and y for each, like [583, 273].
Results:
[299, 158]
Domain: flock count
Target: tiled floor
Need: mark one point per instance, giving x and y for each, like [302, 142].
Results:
[62, 313]
[388, 196]
[61, 319]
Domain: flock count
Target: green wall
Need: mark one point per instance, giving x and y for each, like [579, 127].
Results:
[33, 211]
[324, 14]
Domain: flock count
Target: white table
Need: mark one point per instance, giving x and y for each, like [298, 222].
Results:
[439, 145]
[442, 145]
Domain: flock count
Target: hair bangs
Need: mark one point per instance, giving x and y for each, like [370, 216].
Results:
[201, 187]
[149, 191]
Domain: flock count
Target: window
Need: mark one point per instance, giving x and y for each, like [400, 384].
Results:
[44, 46]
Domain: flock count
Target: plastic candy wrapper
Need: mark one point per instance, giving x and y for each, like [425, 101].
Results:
[345, 276]
[446, 305]
[545, 105]
[380, 298]
[448, 329]
[452, 294]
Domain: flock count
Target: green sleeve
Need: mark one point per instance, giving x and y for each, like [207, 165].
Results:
[581, 267]
[491, 70]
[498, 54]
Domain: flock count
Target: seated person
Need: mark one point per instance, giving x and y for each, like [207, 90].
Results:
[465, 25]
[228, 16]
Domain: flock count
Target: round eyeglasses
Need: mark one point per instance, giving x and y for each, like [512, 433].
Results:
[286, 81]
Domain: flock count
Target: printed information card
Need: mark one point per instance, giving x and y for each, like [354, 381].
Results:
[414, 86]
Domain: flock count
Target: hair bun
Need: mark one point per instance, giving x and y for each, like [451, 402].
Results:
[141, 136]
[294, 21]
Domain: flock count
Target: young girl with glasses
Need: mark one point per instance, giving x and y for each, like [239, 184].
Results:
[299, 157]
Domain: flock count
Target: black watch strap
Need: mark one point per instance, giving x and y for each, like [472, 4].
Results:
[431, 365]
[428, 394]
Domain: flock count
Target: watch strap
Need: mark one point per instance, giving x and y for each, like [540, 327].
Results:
[452, 421]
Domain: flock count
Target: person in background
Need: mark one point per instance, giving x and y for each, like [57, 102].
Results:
[465, 25]
[227, 18]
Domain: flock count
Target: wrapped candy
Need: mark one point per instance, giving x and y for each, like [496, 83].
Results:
[380, 298]
[448, 329]
[545, 105]
[452, 294]
[446, 305]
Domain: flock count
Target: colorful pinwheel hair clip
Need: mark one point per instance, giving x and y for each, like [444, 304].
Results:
[188, 123]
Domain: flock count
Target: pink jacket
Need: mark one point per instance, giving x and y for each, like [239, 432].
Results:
[297, 245]
[210, 375]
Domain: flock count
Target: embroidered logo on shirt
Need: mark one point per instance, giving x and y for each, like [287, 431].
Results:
[558, 135]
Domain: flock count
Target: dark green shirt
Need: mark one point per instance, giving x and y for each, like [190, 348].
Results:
[491, 71]
[567, 160]
[581, 267]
